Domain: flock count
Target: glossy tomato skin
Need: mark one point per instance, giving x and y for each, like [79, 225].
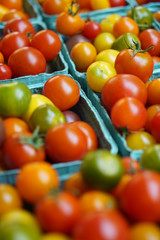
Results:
[150, 37]
[47, 42]
[141, 64]
[141, 197]
[12, 104]
[19, 25]
[14, 14]
[129, 113]
[155, 128]
[117, 3]
[62, 90]
[76, 38]
[151, 111]
[55, 6]
[12, 4]
[91, 29]
[16, 154]
[5, 72]
[53, 215]
[12, 42]
[26, 61]
[71, 116]
[95, 225]
[72, 139]
[153, 92]
[123, 85]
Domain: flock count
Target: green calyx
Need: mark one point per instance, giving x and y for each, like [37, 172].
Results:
[74, 8]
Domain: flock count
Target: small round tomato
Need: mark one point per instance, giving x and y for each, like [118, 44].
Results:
[14, 14]
[5, 72]
[155, 127]
[130, 165]
[19, 25]
[12, 42]
[117, 3]
[150, 37]
[72, 40]
[140, 140]
[156, 59]
[12, 4]
[99, 4]
[141, 197]
[151, 112]
[17, 151]
[62, 90]
[91, 29]
[125, 25]
[153, 92]
[15, 125]
[47, 42]
[55, 7]
[130, 113]
[117, 191]
[83, 54]
[26, 61]
[108, 55]
[103, 41]
[107, 23]
[98, 73]
[53, 215]
[92, 140]
[9, 199]
[42, 179]
[156, 15]
[123, 85]
[140, 64]
[65, 143]
[71, 116]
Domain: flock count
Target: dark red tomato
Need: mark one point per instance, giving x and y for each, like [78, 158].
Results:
[92, 140]
[129, 113]
[62, 90]
[12, 42]
[58, 212]
[100, 225]
[140, 64]
[117, 3]
[47, 42]
[155, 126]
[19, 25]
[141, 2]
[65, 143]
[150, 37]
[26, 61]
[16, 154]
[141, 197]
[91, 29]
[5, 72]
[123, 85]
[71, 116]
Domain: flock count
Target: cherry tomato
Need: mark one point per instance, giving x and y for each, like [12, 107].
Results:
[130, 165]
[71, 116]
[151, 112]
[47, 42]
[103, 41]
[84, 3]
[55, 6]
[62, 90]
[108, 55]
[91, 29]
[123, 85]
[117, 3]
[100, 224]
[53, 215]
[150, 37]
[155, 128]
[156, 59]
[72, 40]
[5, 72]
[141, 2]
[17, 152]
[141, 64]
[19, 25]
[14, 14]
[156, 15]
[92, 140]
[117, 191]
[72, 139]
[26, 61]
[12, 42]
[99, 4]
[42, 179]
[1, 57]
[15, 125]
[125, 25]
[83, 54]
[130, 113]
[12, 4]
[9, 198]
[153, 92]
[107, 23]
[140, 200]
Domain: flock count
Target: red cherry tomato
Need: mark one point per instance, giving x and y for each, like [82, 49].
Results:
[5, 72]
[91, 29]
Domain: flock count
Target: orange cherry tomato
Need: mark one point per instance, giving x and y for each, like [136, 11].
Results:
[153, 91]
[14, 13]
[12, 4]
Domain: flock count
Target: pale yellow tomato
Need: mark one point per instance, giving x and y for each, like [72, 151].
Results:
[54, 236]
[106, 26]
[36, 101]
[98, 74]
[108, 55]
[99, 4]
[113, 18]
[104, 41]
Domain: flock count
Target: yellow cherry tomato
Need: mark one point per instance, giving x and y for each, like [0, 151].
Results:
[108, 55]
[113, 18]
[98, 74]
[99, 4]
[54, 236]
[104, 41]
[36, 101]
[106, 26]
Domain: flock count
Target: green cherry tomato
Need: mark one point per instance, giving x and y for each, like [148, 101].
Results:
[125, 40]
[151, 158]
[101, 170]
[142, 16]
[46, 116]
[14, 99]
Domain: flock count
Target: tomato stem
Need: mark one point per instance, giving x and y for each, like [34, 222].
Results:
[35, 140]
[74, 8]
